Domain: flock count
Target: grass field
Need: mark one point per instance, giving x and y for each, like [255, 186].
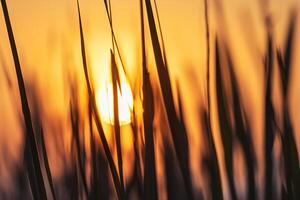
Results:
[135, 132]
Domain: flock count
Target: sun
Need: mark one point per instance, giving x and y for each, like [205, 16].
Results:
[104, 99]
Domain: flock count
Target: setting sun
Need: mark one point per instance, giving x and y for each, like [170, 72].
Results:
[104, 98]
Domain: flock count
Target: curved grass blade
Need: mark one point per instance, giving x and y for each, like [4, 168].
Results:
[137, 174]
[224, 121]
[150, 185]
[115, 84]
[36, 177]
[75, 131]
[291, 161]
[95, 111]
[207, 56]
[114, 40]
[211, 160]
[47, 166]
[174, 183]
[269, 121]
[179, 137]
[289, 44]
[94, 194]
[161, 35]
[242, 131]
[290, 153]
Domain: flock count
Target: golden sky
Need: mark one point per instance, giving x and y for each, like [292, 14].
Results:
[47, 37]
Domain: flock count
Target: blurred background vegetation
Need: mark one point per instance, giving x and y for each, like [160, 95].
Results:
[215, 99]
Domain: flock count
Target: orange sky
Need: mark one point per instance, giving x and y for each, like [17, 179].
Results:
[47, 36]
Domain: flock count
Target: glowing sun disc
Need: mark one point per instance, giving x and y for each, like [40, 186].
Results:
[104, 98]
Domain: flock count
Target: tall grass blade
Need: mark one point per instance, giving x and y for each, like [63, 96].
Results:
[150, 186]
[174, 183]
[180, 106]
[211, 161]
[291, 161]
[28, 161]
[269, 121]
[242, 131]
[224, 121]
[75, 191]
[207, 55]
[114, 40]
[178, 135]
[36, 179]
[161, 34]
[47, 166]
[290, 153]
[137, 173]
[95, 111]
[115, 84]
[289, 44]
[94, 194]
[75, 134]
[104, 188]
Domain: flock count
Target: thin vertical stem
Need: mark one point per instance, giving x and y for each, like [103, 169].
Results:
[30, 138]
[96, 112]
[161, 34]
[114, 36]
[207, 56]
[111, 22]
[150, 186]
[114, 74]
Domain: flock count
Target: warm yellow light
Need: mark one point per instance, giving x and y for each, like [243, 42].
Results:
[104, 98]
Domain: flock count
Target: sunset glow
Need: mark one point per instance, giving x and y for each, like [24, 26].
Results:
[104, 98]
[149, 99]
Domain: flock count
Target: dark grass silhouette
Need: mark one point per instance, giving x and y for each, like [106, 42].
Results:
[116, 83]
[179, 135]
[290, 154]
[118, 187]
[150, 186]
[106, 179]
[210, 160]
[31, 151]
[225, 125]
